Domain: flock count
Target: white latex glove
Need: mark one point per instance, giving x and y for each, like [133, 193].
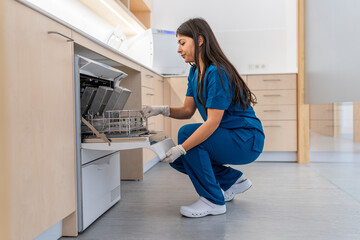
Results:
[174, 153]
[150, 111]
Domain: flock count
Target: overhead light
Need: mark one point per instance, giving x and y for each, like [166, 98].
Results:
[134, 28]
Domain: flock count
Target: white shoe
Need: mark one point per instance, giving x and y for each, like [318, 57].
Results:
[240, 186]
[202, 208]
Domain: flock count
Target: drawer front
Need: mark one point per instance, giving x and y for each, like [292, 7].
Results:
[149, 79]
[325, 127]
[276, 112]
[321, 111]
[147, 96]
[148, 99]
[275, 97]
[100, 187]
[268, 82]
[280, 135]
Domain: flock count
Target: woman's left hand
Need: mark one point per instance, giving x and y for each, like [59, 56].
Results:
[174, 153]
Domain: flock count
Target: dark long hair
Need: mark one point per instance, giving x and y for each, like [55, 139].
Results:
[212, 53]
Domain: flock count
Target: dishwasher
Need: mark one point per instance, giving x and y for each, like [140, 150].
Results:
[103, 129]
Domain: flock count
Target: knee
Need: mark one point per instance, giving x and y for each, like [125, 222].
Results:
[186, 131]
[182, 134]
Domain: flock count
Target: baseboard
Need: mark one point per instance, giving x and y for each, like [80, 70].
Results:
[53, 233]
[277, 157]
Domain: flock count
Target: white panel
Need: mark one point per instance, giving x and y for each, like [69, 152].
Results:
[90, 155]
[332, 63]
[99, 180]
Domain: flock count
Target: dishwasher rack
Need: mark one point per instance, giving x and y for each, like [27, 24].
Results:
[118, 123]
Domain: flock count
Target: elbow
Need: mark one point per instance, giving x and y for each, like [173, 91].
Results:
[189, 113]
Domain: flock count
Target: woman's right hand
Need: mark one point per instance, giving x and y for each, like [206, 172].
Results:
[150, 111]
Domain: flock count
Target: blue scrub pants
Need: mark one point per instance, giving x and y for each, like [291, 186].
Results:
[204, 164]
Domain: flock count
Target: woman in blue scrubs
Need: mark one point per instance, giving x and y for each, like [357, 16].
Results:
[230, 134]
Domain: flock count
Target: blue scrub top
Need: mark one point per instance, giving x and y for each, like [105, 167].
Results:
[218, 97]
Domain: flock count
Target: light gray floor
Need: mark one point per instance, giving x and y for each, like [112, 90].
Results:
[287, 201]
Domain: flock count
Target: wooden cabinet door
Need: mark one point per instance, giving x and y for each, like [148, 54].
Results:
[39, 115]
[177, 87]
[159, 100]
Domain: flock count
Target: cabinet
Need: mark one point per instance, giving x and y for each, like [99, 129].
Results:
[141, 9]
[324, 119]
[134, 15]
[175, 89]
[38, 114]
[276, 108]
[152, 87]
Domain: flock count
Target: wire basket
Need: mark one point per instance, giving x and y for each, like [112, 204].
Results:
[118, 123]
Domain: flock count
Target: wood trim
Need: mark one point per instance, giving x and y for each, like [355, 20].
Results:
[356, 129]
[144, 17]
[303, 109]
[69, 225]
[140, 5]
[4, 136]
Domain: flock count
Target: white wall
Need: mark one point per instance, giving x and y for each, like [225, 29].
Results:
[259, 36]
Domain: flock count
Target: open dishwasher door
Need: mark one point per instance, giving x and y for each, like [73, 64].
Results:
[99, 101]
[158, 144]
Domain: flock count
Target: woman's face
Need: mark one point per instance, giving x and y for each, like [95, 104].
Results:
[186, 48]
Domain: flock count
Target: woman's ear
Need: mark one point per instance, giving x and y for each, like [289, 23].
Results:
[200, 40]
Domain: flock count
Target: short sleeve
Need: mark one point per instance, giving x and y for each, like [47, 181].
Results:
[218, 97]
[190, 91]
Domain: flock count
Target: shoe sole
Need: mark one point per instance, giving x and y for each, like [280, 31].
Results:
[239, 188]
[189, 214]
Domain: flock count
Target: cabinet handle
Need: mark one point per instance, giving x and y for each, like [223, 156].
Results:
[273, 126]
[271, 80]
[69, 38]
[272, 111]
[150, 94]
[272, 95]
[149, 76]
